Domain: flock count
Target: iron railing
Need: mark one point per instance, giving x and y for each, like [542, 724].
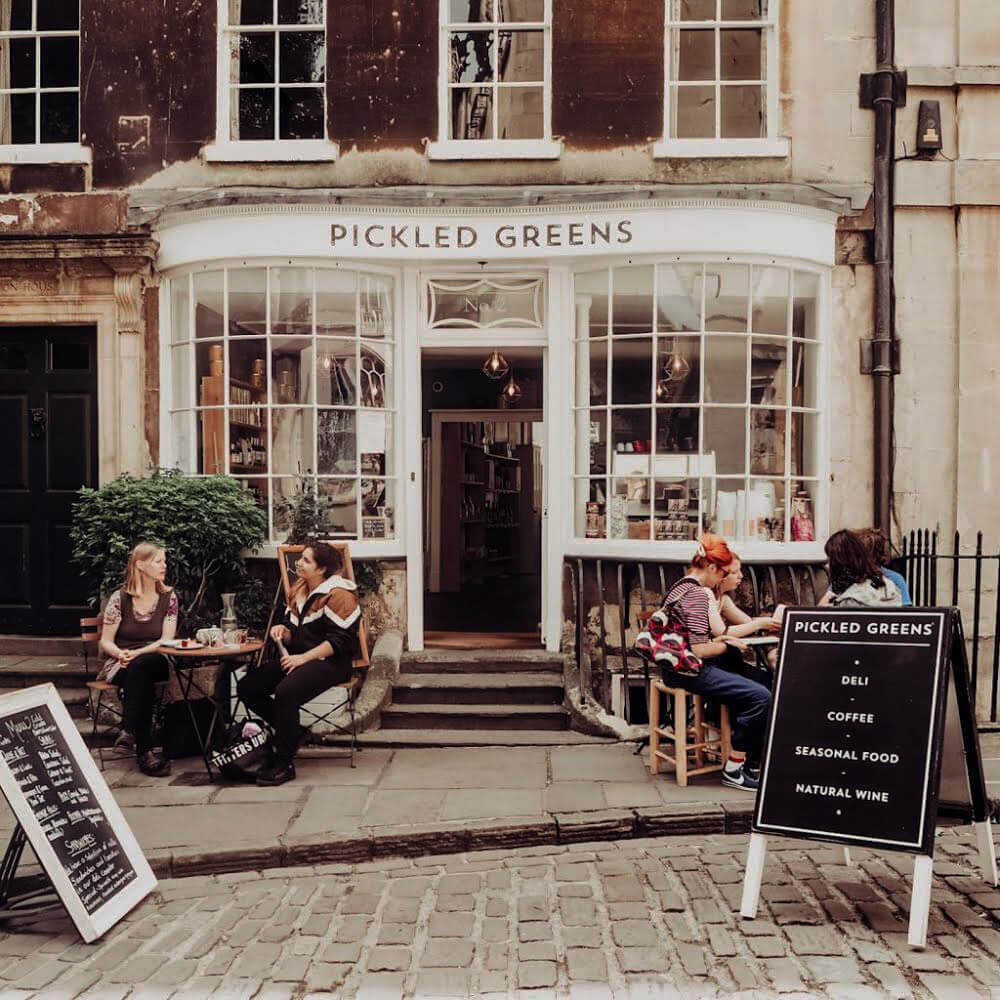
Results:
[968, 580]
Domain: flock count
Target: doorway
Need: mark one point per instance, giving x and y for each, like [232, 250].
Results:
[483, 502]
[48, 403]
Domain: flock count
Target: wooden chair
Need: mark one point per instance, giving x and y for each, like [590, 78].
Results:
[102, 696]
[709, 746]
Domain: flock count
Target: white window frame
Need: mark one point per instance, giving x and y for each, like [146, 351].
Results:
[38, 151]
[772, 144]
[366, 548]
[226, 149]
[445, 148]
[748, 549]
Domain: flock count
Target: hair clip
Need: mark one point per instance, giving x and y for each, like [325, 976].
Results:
[700, 553]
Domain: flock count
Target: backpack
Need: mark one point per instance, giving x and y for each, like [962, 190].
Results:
[666, 640]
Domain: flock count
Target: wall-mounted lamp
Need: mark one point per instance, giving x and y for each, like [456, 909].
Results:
[496, 366]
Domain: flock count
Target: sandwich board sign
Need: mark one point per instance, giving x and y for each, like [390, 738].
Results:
[856, 738]
[67, 814]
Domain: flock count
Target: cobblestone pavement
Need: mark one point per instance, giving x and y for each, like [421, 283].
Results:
[627, 919]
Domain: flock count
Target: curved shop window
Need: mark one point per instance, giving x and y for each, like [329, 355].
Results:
[282, 377]
[697, 402]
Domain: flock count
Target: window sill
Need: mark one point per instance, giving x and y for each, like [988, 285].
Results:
[681, 148]
[46, 152]
[359, 549]
[681, 552]
[277, 151]
[495, 149]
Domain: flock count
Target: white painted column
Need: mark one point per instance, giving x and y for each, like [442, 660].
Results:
[412, 472]
[581, 490]
[130, 373]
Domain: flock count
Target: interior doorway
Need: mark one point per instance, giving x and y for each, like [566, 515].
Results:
[484, 500]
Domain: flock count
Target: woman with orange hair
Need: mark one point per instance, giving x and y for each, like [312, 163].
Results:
[691, 602]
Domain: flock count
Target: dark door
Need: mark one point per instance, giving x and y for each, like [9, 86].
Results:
[48, 412]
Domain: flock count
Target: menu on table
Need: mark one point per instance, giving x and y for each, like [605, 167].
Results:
[70, 818]
[853, 752]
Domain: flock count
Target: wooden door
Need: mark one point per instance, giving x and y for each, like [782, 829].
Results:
[48, 411]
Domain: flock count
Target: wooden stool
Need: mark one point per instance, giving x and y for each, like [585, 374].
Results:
[710, 745]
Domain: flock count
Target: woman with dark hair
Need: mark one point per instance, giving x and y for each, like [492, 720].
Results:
[856, 580]
[877, 544]
[318, 644]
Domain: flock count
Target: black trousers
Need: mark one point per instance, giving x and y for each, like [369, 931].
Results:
[277, 697]
[138, 681]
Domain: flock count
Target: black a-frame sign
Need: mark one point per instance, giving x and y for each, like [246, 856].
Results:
[863, 722]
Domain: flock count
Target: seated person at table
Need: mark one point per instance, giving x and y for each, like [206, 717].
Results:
[137, 618]
[856, 581]
[321, 643]
[877, 544]
[730, 621]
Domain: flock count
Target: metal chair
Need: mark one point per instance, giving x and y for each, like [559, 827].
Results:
[103, 696]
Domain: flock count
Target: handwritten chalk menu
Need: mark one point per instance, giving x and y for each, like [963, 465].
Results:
[853, 748]
[67, 812]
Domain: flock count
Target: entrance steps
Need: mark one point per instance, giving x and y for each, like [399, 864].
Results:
[66, 673]
[476, 697]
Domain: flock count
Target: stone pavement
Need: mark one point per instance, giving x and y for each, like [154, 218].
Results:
[628, 919]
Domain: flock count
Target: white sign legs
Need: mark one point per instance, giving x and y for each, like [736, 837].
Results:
[987, 852]
[754, 873]
[920, 900]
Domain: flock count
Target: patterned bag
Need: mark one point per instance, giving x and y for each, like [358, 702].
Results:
[665, 639]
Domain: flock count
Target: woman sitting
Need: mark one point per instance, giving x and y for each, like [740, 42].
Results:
[877, 544]
[137, 618]
[321, 642]
[856, 580]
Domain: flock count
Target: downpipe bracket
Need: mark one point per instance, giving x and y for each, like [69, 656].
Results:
[884, 85]
[880, 357]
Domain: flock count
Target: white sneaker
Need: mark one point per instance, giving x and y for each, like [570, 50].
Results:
[740, 778]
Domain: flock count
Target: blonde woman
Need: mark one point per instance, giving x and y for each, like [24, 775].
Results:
[137, 619]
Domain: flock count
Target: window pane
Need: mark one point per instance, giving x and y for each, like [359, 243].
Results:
[60, 62]
[472, 113]
[20, 15]
[211, 442]
[675, 509]
[336, 376]
[725, 438]
[339, 501]
[592, 304]
[470, 11]
[247, 447]
[805, 291]
[180, 309]
[767, 442]
[592, 372]
[769, 313]
[744, 10]
[743, 112]
[251, 12]
[58, 15]
[208, 294]
[375, 379]
[336, 302]
[695, 114]
[804, 512]
[632, 371]
[378, 508]
[590, 508]
[521, 111]
[301, 112]
[638, 520]
[630, 430]
[632, 311]
[257, 57]
[292, 440]
[247, 366]
[22, 115]
[769, 371]
[375, 442]
[291, 369]
[740, 53]
[337, 441]
[376, 306]
[301, 56]
[209, 369]
[805, 454]
[22, 60]
[694, 10]
[285, 491]
[725, 369]
[247, 301]
[678, 297]
[472, 56]
[678, 370]
[727, 498]
[805, 374]
[300, 11]
[695, 54]
[521, 10]
[766, 510]
[592, 427]
[291, 300]
[60, 117]
[521, 58]
[256, 113]
[182, 440]
[258, 489]
[727, 288]
[181, 394]
[676, 435]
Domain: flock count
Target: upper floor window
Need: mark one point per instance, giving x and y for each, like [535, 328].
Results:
[39, 72]
[495, 79]
[272, 72]
[721, 77]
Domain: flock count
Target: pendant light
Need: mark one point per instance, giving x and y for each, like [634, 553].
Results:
[676, 367]
[496, 366]
[511, 391]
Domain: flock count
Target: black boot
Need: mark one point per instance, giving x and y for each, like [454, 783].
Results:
[153, 763]
[277, 773]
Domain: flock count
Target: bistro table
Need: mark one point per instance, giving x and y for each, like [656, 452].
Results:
[185, 661]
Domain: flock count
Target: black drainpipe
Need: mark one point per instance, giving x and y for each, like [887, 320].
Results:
[883, 91]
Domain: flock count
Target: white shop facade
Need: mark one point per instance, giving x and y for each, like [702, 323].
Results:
[679, 354]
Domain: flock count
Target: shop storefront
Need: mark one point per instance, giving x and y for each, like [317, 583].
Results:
[681, 349]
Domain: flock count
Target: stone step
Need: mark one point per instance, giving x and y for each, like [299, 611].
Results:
[547, 718]
[479, 689]
[25, 671]
[478, 661]
[402, 738]
[75, 699]
[40, 645]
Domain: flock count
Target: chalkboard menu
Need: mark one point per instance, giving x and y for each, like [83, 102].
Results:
[853, 752]
[67, 812]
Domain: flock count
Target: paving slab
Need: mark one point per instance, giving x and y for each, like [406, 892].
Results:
[201, 827]
[468, 767]
[488, 803]
[327, 808]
